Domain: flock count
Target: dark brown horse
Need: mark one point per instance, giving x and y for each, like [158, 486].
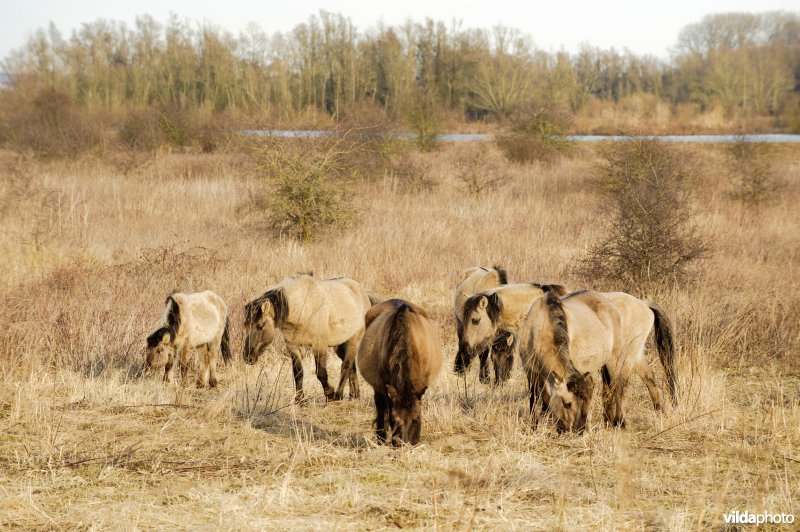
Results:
[400, 358]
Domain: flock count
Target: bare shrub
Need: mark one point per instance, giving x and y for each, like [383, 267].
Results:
[481, 170]
[424, 118]
[141, 129]
[644, 189]
[412, 172]
[52, 127]
[178, 121]
[310, 183]
[752, 178]
[536, 133]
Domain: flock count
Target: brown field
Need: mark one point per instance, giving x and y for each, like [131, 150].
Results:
[87, 256]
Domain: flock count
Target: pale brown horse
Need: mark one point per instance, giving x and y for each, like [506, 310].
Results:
[504, 308]
[564, 341]
[190, 321]
[474, 280]
[400, 358]
[311, 312]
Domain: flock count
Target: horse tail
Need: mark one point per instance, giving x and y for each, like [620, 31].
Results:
[374, 298]
[665, 345]
[225, 345]
[502, 275]
[397, 347]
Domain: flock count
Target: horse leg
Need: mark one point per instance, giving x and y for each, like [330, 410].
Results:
[185, 356]
[389, 407]
[203, 374]
[347, 352]
[613, 389]
[483, 374]
[321, 360]
[646, 374]
[297, 371]
[462, 359]
[168, 368]
[380, 418]
[214, 355]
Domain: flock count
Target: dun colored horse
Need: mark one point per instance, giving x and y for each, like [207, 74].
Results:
[198, 320]
[505, 307]
[400, 358]
[564, 341]
[311, 312]
[474, 280]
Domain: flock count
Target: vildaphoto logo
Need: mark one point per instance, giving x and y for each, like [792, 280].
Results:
[747, 518]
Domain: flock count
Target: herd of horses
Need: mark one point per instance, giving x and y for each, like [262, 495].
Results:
[562, 338]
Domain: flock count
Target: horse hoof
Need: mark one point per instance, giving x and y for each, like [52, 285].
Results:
[212, 382]
[200, 384]
[335, 396]
[298, 397]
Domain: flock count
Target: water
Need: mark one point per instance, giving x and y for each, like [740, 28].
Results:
[483, 137]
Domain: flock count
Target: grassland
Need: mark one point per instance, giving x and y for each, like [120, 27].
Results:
[88, 254]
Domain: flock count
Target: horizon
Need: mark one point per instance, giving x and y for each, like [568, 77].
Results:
[550, 27]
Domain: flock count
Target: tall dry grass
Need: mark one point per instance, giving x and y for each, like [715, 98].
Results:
[88, 254]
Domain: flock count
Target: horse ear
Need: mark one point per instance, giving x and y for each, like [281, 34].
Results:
[391, 391]
[483, 302]
[510, 340]
[267, 309]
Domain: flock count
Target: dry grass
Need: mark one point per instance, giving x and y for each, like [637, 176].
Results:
[87, 255]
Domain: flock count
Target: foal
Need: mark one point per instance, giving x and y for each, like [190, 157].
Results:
[198, 320]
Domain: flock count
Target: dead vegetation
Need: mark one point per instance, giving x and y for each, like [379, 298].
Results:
[85, 442]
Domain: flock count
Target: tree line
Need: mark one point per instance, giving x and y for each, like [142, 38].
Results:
[747, 65]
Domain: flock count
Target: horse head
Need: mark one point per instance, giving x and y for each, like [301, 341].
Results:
[406, 415]
[481, 313]
[568, 400]
[159, 350]
[261, 318]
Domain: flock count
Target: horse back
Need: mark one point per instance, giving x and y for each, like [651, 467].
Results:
[423, 350]
[418, 335]
[474, 280]
[202, 317]
[637, 318]
[595, 329]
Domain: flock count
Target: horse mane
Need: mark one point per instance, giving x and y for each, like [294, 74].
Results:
[253, 312]
[556, 289]
[576, 383]
[155, 338]
[502, 276]
[398, 360]
[494, 307]
[173, 316]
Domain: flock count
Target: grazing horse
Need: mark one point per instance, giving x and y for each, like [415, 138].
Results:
[505, 308]
[400, 358]
[476, 280]
[311, 312]
[198, 320]
[491, 318]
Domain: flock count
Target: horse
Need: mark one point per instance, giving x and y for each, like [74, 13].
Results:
[198, 320]
[473, 280]
[497, 334]
[505, 308]
[563, 341]
[400, 358]
[315, 313]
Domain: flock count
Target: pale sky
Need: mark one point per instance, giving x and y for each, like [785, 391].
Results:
[642, 26]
